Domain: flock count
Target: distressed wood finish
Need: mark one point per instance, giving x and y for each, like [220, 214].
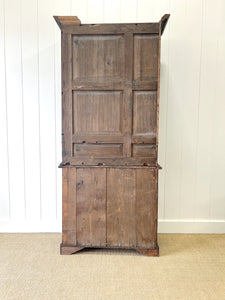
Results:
[110, 102]
[121, 208]
[69, 206]
[110, 82]
[110, 207]
[91, 207]
[146, 208]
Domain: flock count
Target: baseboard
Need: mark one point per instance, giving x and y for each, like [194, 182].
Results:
[164, 226]
[191, 226]
[30, 226]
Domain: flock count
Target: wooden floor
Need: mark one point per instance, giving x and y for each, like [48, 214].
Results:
[189, 267]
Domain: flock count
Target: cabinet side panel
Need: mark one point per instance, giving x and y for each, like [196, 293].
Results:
[121, 207]
[66, 95]
[91, 207]
[69, 206]
[146, 208]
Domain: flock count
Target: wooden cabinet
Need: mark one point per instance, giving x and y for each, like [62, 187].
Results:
[110, 100]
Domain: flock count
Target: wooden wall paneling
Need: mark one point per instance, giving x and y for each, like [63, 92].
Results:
[172, 163]
[128, 15]
[47, 109]
[206, 154]
[78, 8]
[121, 208]
[95, 11]
[91, 206]
[31, 117]
[145, 15]
[192, 50]
[160, 7]
[217, 201]
[69, 207]
[59, 7]
[112, 13]
[146, 208]
[4, 175]
[14, 89]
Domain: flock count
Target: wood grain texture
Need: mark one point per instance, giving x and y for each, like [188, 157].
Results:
[67, 250]
[144, 150]
[152, 28]
[66, 20]
[66, 95]
[149, 252]
[91, 207]
[121, 208]
[98, 150]
[111, 161]
[69, 207]
[98, 57]
[145, 113]
[146, 49]
[97, 112]
[146, 208]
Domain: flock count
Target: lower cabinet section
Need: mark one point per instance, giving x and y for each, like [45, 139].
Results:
[110, 208]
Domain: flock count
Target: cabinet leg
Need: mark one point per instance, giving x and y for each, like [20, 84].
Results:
[149, 252]
[67, 250]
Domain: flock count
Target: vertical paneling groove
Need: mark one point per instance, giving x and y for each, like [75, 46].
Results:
[4, 175]
[39, 110]
[166, 130]
[56, 186]
[22, 96]
[189, 113]
[14, 102]
[198, 113]
[29, 54]
[217, 164]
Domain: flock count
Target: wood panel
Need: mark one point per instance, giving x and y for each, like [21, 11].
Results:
[97, 112]
[146, 49]
[69, 206]
[144, 150]
[98, 57]
[144, 113]
[121, 207]
[91, 207]
[98, 150]
[146, 208]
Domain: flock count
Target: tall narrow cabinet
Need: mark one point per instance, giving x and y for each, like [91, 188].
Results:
[110, 112]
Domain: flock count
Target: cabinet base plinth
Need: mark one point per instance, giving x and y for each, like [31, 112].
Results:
[68, 250]
[149, 252]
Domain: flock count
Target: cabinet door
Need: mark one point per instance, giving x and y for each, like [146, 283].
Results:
[91, 207]
[132, 208]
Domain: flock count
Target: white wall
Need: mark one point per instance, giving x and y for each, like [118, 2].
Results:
[192, 110]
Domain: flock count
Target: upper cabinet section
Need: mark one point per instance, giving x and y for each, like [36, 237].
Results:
[110, 96]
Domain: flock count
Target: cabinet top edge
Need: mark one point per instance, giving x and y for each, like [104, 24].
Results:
[65, 21]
